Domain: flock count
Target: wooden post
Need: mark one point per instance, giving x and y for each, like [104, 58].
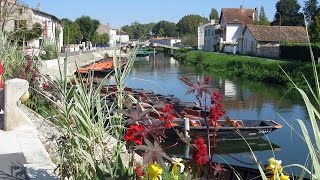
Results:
[186, 127]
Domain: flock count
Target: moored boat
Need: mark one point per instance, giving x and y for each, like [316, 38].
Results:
[231, 130]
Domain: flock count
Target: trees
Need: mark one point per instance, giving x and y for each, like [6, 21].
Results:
[9, 11]
[263, 20]
[25, 34]
[213, 14]
[71, 32]
[87, 27]
[100, 39]
[310, 10]
[289, 12]
[189, 24]
[137, 30]
[165, 28]
[314, 29]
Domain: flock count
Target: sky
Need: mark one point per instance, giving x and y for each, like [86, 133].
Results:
[123, 12]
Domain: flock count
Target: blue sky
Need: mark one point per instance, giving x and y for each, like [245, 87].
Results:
[119, 13]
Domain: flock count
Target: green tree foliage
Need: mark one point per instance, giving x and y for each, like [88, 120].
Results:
[26, 34]
[213, 14]
[137, 30]
[71, 32]
[314, 29]
[165, 28]
[87, 27]
[263, 20]
[100, 39]
[288, 10]
[310, 9]
[190, 40]
[189, 24]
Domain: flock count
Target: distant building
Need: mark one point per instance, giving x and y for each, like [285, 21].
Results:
[211, 36]
[116, 36]
[264, 40]
[169, 41]
[201, 35]
[232, 23]
[23, 16]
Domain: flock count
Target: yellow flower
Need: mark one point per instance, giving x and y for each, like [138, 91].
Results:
[275, 169]
[154, 170]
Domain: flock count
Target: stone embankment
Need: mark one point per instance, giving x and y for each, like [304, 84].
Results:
[51, 67]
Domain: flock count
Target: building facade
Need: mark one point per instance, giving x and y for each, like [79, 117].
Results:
[117, 36]
[232, 23]
[265, 41]
[211, 36]
[21, 16]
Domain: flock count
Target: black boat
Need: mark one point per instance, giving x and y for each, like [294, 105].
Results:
[225, 129]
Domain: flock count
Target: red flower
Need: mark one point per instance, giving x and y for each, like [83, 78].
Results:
[135, 134]
[216, 111]
[200, 154]
[167, 116]
[139, 171]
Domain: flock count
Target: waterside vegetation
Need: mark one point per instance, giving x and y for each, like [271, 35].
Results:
[251, 68]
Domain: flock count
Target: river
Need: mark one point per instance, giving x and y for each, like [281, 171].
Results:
[242, 100]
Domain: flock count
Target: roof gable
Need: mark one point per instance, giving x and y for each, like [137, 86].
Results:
[238, 16]
[291, 34]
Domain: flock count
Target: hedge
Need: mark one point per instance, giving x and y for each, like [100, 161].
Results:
[299, 52]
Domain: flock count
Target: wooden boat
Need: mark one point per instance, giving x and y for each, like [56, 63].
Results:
[235, 129]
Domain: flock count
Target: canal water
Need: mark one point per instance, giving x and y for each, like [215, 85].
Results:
[242, 100]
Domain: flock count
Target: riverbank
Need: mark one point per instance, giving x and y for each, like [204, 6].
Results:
[251, 68]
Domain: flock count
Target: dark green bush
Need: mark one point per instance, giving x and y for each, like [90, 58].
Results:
[299, 52]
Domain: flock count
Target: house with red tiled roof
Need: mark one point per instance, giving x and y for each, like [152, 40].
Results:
[265, 40]
[232, 23]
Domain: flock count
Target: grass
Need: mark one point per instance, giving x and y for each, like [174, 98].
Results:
[251, 68]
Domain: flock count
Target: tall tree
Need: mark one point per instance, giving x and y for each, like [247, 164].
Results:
[189, 24]
[263, 20]
[310, 9]
[213, 14]
[10, 10]
[288, 12]
[100, 39]
[137, 30]
[71, 32]
[165, 28]
[314, 29]
[87, 27]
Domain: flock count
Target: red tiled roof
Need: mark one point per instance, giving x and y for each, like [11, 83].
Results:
[239, 16]
[278, 33]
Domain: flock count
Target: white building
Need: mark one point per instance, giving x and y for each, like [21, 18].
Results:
[116, 36]
[211, 36]
[169, 41]
[264, 40]
[201, 35]
[52, 29]
[23, 16]
[233, 22]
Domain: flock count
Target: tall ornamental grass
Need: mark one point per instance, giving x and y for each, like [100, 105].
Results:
[312, 104]
[88, 124]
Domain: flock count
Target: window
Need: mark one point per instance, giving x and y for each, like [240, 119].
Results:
[212, 33]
